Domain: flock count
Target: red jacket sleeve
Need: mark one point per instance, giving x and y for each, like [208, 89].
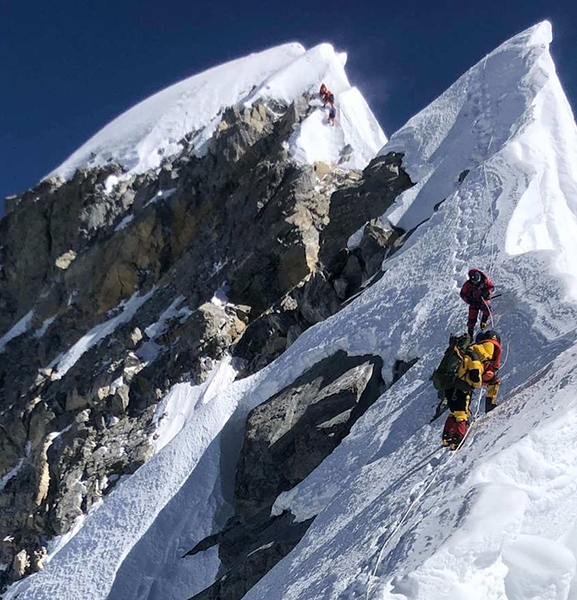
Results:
[465, 292]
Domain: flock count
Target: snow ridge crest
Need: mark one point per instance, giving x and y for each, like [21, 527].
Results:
[140, 138]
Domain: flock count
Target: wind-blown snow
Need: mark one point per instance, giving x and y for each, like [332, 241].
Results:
[143, 136]
[398, 517]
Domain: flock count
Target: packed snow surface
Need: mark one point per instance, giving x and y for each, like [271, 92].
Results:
[397, 516]
[178, 406]
[351, 142]
[509, 109]
[143, 136]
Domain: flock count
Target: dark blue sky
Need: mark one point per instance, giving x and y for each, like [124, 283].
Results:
[70, 66]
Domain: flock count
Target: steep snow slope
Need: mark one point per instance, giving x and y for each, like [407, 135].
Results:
[141, 137]
[399, 518]
[508, 109]
[356, 126]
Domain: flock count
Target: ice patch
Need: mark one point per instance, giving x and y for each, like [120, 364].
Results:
[42, 330]
[63, 363]
[17, 330]
[124, 222]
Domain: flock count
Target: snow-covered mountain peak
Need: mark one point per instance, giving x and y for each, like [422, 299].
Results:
[494, 92]
[509, 107]
[320, 63]
[396, 516]
[541, 33]
[141, 137]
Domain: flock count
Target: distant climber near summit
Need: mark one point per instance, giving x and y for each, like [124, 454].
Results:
[332, 115]
[328, 98]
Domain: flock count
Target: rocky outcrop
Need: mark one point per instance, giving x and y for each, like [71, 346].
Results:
[250, 552]
[237, 252]
[45, 228]
[289, 435]
[285, 439]
[351, 208]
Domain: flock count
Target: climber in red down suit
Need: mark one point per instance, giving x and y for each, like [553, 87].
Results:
[476, 292]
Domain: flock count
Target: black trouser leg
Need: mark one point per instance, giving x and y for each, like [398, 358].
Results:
[489, 404]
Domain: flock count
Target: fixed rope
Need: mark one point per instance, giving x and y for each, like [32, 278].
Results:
[506, 355]
[490, 313]
[436, 472]
[420, 495]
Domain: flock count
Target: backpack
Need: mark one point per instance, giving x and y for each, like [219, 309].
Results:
[446, 374]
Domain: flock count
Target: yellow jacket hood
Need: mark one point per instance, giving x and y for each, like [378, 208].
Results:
[483, 351]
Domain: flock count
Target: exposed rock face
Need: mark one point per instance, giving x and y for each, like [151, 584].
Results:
[341, 273]
[44, 224]
[383, 180]
[252, 551]
[289, 435]
[286, 438]
[20, 565]
[81, 375]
